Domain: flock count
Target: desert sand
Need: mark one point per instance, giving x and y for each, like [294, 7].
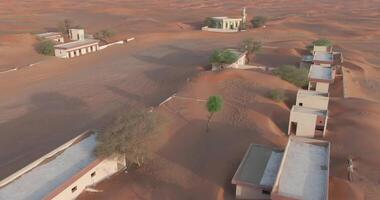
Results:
[44, 105]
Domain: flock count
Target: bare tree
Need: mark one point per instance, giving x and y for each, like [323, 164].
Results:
[131, 134]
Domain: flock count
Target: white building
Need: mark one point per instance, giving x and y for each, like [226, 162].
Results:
[304, 171]
[54, 36]
[62, 174]
[325, 49]
[320, 78]
[257, 172]
[76, 48]
[239, 63]
[313, 99]
[76, 34]
[226, 24]
[307, 122]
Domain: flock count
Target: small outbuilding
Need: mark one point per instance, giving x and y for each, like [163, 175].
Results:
[76, 48]
[307, 122]
[63, 173]
[304, 171]
[76, 34]
[313, 99]
[239, 63]
[320, 78]
[54, 36]
[257, 172]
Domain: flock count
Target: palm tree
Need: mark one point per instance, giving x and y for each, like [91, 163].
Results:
[214, 104]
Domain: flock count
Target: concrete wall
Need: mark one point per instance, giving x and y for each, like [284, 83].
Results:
[320, 86]
[313, 101]
[250, 192]
[61, 53]
[102, 170]
[305, 123]
[76, 34]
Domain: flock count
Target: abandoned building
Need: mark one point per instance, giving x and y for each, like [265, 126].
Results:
[226, 24]
[54, 36]
[320, 78]
[239, 63]
[301, 172]
[313, 99]
[76, 48]
[307, 122]
[257, 172]
[304, 171]
[323, 58]
[63, 173]
[76, 34]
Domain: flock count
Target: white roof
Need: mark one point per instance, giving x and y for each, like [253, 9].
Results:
[312, 93]
[304, 170]
[50, 34]
[323, 56]
[76, 44]
[314, 111]
[320, 72]
[43, 179]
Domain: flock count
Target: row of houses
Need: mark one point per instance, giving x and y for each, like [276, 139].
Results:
[79, 44]
[301, 170]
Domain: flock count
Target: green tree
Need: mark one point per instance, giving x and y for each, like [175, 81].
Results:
[292, 74]
[251, 47]
[258, 21]
[45, 47]
[319, 42]
[223, 57]
[277, 95]
[104, 34]
[209, 22]
[131, 135]
[214, 104]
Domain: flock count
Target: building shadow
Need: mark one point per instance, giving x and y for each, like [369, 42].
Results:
[51, 120]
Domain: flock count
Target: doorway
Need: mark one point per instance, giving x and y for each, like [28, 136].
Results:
[293, 128]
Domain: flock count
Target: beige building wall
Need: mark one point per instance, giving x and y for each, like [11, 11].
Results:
[76, 34]
[94, 175]
[61, 53]
[250, 192]
[313, 101]
[305, 123]
[320, 86]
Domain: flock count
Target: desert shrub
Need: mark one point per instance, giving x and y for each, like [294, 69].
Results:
[320, 42]
[45, 47]
[223, 57]
[292, 74]
[131, 135]
[277, 95]
[209, 22]
[104, 34]
[258, 21]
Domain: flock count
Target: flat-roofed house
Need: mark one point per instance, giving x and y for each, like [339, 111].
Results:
[241, 61]
[320, 78]
[76, 34]
[313, 99]
[63, 173]
[307, 122]
[257, 172]
[304, 171]
[323, 58]
[76, 48]
[54, 36]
